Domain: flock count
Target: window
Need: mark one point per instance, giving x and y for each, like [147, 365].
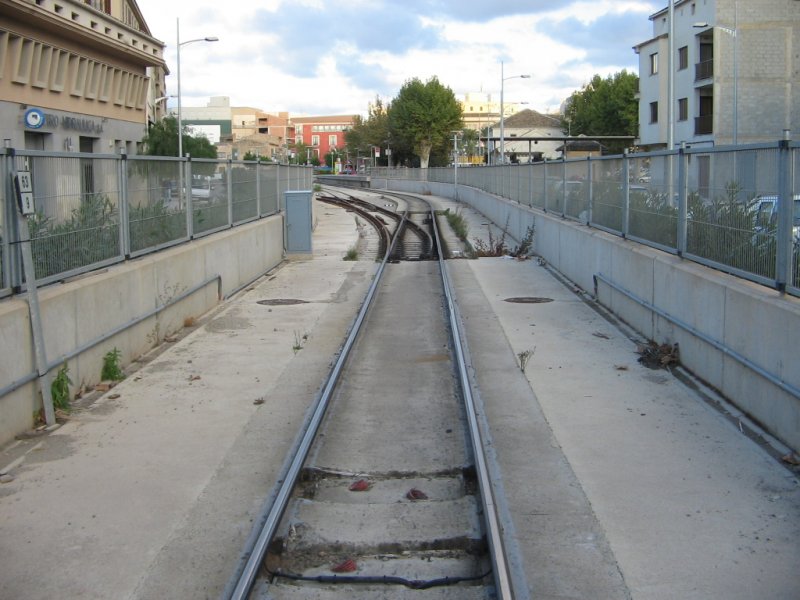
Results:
[654, 112]
[331, 140]
[315, 140]
[683, 58]
[683, 109]
[654, 63]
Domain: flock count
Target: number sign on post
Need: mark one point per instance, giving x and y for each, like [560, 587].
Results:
[24, 188]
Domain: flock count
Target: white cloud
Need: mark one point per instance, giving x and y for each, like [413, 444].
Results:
[250, 66]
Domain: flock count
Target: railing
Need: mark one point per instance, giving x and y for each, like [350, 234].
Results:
[698, 203]
[704, 70]
[93, 210]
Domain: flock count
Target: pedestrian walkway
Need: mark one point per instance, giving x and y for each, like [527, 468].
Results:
[621, 482]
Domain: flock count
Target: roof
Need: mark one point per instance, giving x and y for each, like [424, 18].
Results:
[531, 119]
[325, 120]
[581, 146]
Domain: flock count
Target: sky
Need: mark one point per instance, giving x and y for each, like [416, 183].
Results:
[315, 57]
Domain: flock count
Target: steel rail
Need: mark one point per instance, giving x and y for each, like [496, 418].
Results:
[274, 513]
[500, 567]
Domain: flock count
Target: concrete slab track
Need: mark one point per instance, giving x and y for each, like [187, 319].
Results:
[621, 482]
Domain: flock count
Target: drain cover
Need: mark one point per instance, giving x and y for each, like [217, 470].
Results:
[281, 302]
[529, 300]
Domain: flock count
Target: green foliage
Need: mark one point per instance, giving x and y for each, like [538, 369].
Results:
[370, 132]
[605, 107]
[458, 224]
[352, 254]
[162, 140]
[90, 235]
[722, 230]
[422, 117]
[155, 224]
[303, 153]
[111, 367]
[59, 389]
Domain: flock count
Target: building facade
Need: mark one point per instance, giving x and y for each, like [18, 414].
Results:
[480, 110]
[323, 134]
[78, 76]
[735, 73]
[526, 136]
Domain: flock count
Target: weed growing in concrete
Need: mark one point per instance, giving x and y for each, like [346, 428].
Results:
[59, 389]
[524, 357]
[458, 224]
[351, 254]
[299, 341]
[111, 367]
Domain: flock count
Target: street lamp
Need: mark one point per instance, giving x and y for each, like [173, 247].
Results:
[502, 111]
[456, 135]
[733, 33]
[178, 46]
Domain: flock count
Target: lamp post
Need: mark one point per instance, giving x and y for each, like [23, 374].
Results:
[502, 111]
[455, 163]
[733, 33]
[178, 46]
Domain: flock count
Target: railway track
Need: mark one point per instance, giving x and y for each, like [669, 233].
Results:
[387, 494]
[411, 226]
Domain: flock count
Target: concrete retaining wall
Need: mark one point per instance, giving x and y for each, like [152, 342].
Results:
[75, 313]
[748, 320]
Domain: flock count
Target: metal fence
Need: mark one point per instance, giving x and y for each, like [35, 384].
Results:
[722, 207]
[93, 210]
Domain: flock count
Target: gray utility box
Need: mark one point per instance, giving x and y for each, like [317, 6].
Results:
[299, 221]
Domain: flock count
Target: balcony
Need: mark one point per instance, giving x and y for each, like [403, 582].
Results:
[704, 70]
[704, 125]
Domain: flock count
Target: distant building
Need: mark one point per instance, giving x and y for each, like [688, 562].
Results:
[736, 73]
[237, 130]
[480, 110]
[525, 135]
[321, 134]
[78, 76]
[580, 148]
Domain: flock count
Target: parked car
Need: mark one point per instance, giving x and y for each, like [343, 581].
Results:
[765, 209]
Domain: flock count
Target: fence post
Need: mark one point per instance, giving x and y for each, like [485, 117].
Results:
[278, 187]
[683, 209]
[10, 250]
[32, 296]
[124, 205]
[590, 190]
[544, 186]
[258, 187]
[230, 192]
[626, 193]
[783, 258]
[563, 186]
[187, 191]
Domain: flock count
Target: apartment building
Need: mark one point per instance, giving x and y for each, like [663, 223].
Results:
[735, 73]
[322, 134]
[78, 76]
[480, 110]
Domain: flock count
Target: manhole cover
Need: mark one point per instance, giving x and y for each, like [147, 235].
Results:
[281, 302]
[529, 300]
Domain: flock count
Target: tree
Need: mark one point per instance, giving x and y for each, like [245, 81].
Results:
[422, 117]
[370, 132]
[605, 107]
[162, 140]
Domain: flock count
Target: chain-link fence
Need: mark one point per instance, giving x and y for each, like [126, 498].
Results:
[92, 210]
[718, 206]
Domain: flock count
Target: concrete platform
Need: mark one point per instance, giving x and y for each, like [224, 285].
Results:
[621, 481]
